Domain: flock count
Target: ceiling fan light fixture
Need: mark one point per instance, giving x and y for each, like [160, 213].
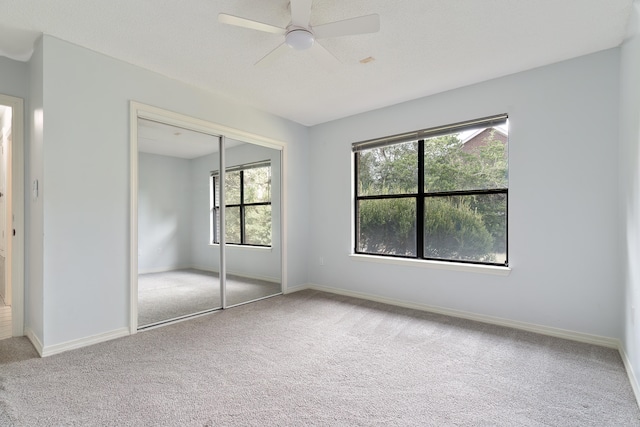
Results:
[301, 35]
[299, 39]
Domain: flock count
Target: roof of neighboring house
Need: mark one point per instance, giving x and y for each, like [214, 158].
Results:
[465, 138]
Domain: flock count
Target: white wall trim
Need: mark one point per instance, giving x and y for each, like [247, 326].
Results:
[37, 344]
[172, 118]
[530, 327]
[133, 218]
[83, 342]
[253, 277]
[633, 379]
[239, 247]
[15, 220]
[239, 274]
[440, 265]
[302, 287]
[209, 270]
[284, 197]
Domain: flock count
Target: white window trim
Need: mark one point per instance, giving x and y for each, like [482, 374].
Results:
[437, 265]
[497, 270]
[250, 247]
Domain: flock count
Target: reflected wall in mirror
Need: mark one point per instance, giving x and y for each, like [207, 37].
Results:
[173, 279]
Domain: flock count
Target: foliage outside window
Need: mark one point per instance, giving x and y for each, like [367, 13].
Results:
[438, 194]
[248, 205]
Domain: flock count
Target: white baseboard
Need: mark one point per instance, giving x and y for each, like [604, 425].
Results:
[208, 269]
[262, 278]
[203, 268]
[635, 386]
[240, 274]
[544, 330]
[35, 341]
[292, 289]
[82, 342]
[531, 327]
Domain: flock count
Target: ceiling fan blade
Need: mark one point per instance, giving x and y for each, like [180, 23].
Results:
[328, 60]
[272, 56]
[348, 27]
[224, 18]
[301, 12]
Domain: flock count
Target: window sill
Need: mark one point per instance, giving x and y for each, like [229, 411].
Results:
[440, 265]
[248, 247]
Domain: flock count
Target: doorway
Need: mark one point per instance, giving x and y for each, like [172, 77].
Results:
[206, 220]
[11, 217]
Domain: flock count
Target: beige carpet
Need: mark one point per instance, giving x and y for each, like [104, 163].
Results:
[172, 294]
[316, 359]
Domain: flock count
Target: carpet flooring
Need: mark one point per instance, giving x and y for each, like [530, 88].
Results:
[171, 294]
[312, 358]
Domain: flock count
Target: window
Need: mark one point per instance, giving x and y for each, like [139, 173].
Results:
[248, 204]
[436, 194]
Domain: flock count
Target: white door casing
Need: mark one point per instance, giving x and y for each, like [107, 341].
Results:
[5, 143]
[13, 195]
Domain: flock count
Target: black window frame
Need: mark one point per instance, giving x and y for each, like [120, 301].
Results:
[421, 194]
[215, 208]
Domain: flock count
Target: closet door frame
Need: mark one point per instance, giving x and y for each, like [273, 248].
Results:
[139, 110]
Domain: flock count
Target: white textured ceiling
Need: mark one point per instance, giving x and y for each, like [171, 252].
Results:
[423, 47]
[173, 141]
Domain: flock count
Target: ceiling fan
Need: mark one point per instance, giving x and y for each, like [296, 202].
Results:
[300, 35]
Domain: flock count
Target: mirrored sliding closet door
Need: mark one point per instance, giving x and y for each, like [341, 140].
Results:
[252, 219]
[178, 270]
[208, 222]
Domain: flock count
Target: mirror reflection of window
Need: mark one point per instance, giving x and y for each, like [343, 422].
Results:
[253, 221]
[248, 204]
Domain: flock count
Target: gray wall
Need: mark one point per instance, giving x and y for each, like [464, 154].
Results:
[15, 78]
[630, 189]
[563, 206]
[85, 147]
[165, 202]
